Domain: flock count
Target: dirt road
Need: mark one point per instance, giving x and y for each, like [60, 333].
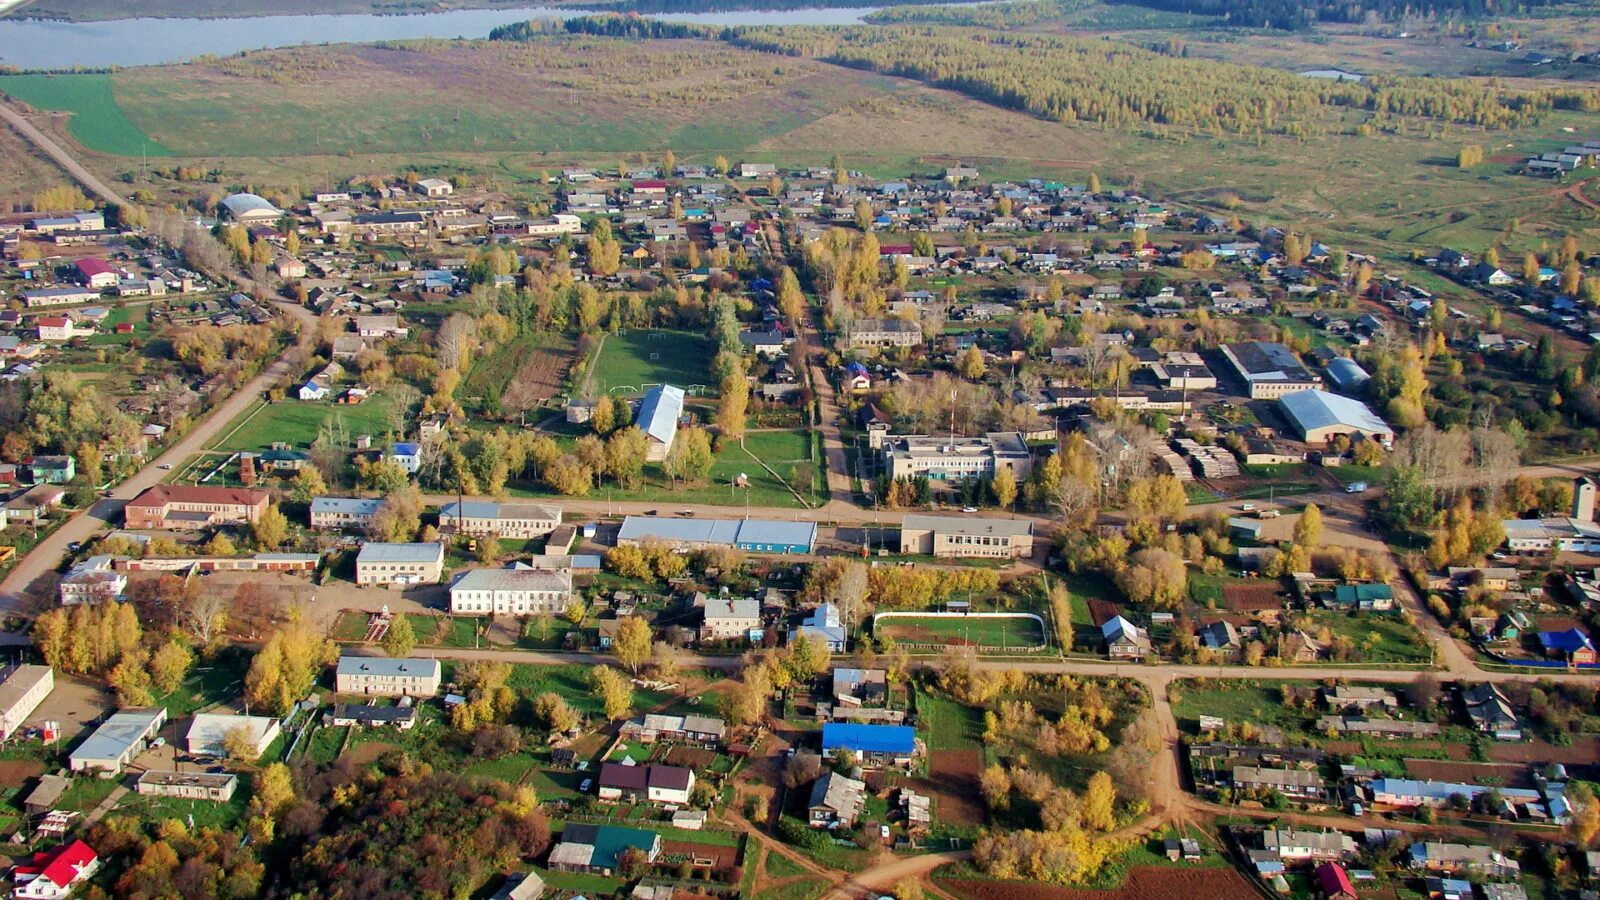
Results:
[108, 511]
[62, 158]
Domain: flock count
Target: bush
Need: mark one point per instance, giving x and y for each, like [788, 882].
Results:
[798, 833]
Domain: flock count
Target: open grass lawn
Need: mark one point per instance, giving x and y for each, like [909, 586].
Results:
[1009, 632]
[554, 784]
[763, 489]
[209, 682]
[509, 769]
[1206, 590]
[86, 793]
[946, 724]
[1346, 474]
[779, 866]
[630, 362]
[802, 889]
[1378, 638]
[98, 122]
[571, 681]
[1234, 701]
[295, 423]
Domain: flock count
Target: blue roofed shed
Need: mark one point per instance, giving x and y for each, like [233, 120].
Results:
[872, 744]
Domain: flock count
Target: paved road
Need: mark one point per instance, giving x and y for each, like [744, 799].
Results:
[62, 158]
[108, 511]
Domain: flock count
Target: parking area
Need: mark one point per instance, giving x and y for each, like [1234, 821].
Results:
[75, 703]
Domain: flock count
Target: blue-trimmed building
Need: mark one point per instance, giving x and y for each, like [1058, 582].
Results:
[754, 535]
[873, 745]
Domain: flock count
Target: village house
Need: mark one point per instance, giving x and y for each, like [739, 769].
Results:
[657, 784]
[1454, 858]
[208, 733]
[884, 333]
[1124, 640]
[836, 801]
[1298, 845]
[92, 580]
[1296, 784]
[55, 873]
[361, 715]
[728, 618]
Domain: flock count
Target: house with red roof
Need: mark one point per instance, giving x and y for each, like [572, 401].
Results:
[53, 874]
[57, 328]
[193, 507]
[1334, 882]
[96, 273]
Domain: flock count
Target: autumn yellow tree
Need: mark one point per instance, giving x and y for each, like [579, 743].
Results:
[632, 645]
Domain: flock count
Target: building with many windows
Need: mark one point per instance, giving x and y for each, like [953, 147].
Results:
[344, 512]
[1269, 369]
[183, 507]
[508, 520]
[954, 458]
[517, 591]
[22, 690]
[966, 536]
[381, 677]
[382, 563]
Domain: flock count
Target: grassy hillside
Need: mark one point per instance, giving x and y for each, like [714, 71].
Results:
[566, 94]
[97, 120]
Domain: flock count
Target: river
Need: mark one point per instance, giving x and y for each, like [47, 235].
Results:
[41, 44]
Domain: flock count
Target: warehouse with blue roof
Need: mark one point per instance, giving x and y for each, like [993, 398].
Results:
[753, 535]
[872, 744]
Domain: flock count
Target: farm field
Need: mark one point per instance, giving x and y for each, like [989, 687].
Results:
[296, 422]
[629, 362]
[445, 96]
[98, 121]
[1019, 631]
[519, 376]
[1144, 883]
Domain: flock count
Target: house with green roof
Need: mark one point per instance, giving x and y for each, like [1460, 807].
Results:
[599, 849]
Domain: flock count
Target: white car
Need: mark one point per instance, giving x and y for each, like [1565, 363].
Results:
[164, 466]
[969, 509]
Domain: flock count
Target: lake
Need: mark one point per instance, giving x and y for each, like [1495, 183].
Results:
[39, 44]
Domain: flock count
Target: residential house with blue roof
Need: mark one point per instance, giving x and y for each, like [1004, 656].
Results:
[658, 417]
[873, 745]
[1571, 646]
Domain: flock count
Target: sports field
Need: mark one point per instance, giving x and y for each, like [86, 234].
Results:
[1018, 631]
[97, 122]
[631, 361]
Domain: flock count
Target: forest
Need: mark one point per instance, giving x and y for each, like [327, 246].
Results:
[1069, 79]
[1294, 15]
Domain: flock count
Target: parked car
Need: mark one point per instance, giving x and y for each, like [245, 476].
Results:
[1355, 487]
